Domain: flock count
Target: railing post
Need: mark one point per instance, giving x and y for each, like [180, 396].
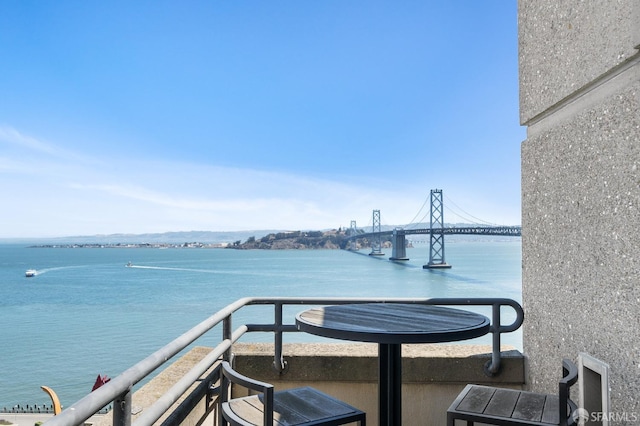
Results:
[278, 360]
[122, 409]
[492, 367]
[226, 335]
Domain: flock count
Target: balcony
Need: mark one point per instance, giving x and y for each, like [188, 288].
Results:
[432, 374]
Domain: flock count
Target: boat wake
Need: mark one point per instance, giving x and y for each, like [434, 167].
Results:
[58, 268]
[164, 268]
[206, 271]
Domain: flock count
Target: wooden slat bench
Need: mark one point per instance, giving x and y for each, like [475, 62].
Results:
[499, 406]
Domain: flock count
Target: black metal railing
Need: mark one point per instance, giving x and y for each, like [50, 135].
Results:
[118, 391]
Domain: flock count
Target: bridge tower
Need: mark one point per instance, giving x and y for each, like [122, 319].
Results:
[376, 240]
[436, 244]
[353, 230]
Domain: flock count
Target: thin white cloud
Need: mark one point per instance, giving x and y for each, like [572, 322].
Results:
[46, 155]
[160, 199]
[79, 194]
[12, 136]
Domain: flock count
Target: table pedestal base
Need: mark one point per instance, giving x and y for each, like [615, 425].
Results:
[390, 384]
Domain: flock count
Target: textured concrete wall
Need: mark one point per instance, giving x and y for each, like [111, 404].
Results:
[565, 45]
[580, 98]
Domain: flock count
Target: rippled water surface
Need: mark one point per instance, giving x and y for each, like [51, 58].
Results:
[85, 313]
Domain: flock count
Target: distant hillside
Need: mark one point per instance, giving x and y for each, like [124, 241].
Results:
[293, 240]
[207, 237]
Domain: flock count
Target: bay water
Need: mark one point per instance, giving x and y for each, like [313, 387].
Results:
[85, 313]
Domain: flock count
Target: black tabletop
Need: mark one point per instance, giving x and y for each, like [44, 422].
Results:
[393, 323]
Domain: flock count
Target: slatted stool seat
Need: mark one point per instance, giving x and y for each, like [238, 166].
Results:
[499, 406]
[299, 406]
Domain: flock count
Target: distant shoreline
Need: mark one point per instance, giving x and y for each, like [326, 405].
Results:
[134, 245]
[283, 240]
[296, 240]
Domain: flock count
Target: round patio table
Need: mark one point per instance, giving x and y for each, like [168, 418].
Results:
[390, 325]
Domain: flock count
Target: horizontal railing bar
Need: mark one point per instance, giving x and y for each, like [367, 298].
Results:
[454, 301]
[261, 328]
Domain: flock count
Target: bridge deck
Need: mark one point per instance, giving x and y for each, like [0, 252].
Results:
[507, 231]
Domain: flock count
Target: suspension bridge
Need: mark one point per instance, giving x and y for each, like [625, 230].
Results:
[436, 231]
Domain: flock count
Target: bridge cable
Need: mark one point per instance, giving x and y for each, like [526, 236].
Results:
[426, 219]
[479, 221]
[383, 220]
[459, 218]
[466, 219]
[412, 221]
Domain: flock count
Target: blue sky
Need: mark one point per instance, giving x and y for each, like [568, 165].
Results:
[155, 116]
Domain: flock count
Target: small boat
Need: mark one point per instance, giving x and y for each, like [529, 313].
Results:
[129, 264]
[30, 273]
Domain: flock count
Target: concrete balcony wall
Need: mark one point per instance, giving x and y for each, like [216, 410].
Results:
[433, 375]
